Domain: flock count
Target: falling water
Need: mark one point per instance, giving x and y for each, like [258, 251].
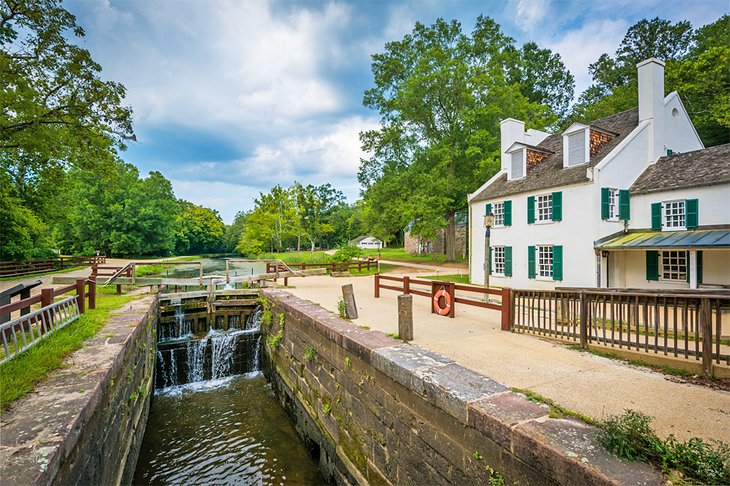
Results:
[196, 359]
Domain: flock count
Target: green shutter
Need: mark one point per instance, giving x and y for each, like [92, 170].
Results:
[686, 259]
[691, 207]
[656, 216]
[507, 261]
[624, 205]
[488, 209]
[699, 267]
[605, 195]
[531, 262]
[557, 206]
[508, 213]
[530, 209]
[652, 265]
[557, 262]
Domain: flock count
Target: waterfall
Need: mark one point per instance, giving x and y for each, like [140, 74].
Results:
[196, 359]
[215, 355]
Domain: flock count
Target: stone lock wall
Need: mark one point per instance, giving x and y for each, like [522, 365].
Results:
[377, 411]
[86, 423]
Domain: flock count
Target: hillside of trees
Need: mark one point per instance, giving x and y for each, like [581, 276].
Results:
[440, 93]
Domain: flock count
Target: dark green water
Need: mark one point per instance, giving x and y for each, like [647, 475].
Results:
[233, 432]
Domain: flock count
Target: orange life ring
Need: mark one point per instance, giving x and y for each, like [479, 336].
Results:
[446, 309]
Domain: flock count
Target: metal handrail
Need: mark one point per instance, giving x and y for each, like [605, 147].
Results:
[28, 330]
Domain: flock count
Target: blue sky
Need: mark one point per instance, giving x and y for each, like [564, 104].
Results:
[233, 97]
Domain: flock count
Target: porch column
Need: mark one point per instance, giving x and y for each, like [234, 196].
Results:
[692, 268]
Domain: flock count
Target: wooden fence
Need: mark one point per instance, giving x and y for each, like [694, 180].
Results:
[472, 295]
[677, 324]
[28, 267]
[360, 265]
[21, 333]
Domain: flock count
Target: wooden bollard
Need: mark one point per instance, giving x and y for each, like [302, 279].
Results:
[405, 317]
[92, 294]
[348, 295]
[81, 294]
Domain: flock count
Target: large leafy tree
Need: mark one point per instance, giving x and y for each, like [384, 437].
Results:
[271, 224]
[440, 94]
[697, 66]
[314, 205]
[199, 230]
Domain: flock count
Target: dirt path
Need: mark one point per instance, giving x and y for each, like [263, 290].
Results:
[582, 382]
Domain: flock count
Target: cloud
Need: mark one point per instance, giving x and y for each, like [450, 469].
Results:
[531, 14]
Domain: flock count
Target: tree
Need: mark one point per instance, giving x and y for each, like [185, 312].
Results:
[696, 67]
[55, 106]
[234, 231]
[270, 224]
[199, 230]
[22, 234]
[313, 207]
[441, 94]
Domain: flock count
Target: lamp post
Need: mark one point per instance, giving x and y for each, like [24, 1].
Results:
[488, 223]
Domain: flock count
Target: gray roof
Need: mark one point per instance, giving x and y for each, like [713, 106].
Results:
[716, 238]
[550, 172]
[704, 167]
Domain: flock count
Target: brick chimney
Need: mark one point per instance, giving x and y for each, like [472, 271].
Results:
[651, 104]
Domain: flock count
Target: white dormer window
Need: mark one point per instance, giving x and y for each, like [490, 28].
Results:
[517, 164]
[576, 145]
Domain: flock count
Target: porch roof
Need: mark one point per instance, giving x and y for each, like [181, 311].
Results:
[714, 238]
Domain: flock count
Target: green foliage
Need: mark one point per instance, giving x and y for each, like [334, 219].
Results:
[554, 410]
[326, 408]
[495, 478]
[310, 353]
[199, 230]
[630, 437]
[696, 67]
[347, 253]
[20, 375]
[477, 456]
[393, 335]
[461, 279]
[282, 319]
[348, 361]
[341, 308]
[441, 94]
[275, 339]
[22, 235]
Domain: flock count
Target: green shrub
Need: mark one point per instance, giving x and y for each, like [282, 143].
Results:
[346, 253]
[342, 309]
[630, 436]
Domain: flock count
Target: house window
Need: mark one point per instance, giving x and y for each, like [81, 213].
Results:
[498, 260]
[517, 164]
[544, 206]
[613, 204]
[545, 261]
[498, 212]
[674, 265]
[576, 148]
[674, 215]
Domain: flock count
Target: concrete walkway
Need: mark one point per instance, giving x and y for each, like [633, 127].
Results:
[581, 382]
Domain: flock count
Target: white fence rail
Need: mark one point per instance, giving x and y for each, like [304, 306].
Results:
[22, 333]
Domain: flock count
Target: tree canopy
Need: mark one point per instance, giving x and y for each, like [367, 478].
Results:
[441, 94]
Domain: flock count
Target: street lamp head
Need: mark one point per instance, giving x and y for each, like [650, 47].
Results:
[488, 220]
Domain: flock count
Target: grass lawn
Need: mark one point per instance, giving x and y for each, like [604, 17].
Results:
[461, 279]
[399, 254]
[298, 257]
[20, 375]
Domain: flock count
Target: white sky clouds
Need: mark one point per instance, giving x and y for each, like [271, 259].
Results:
[266, 92]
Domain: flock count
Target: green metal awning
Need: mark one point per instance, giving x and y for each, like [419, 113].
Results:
[719, 238]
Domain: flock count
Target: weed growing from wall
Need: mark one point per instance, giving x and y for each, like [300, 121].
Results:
[341, 309]
[310, 353]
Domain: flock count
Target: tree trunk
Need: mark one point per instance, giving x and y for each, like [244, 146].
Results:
[299, 241]
[450, 242]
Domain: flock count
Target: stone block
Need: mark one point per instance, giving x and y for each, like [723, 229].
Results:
[567, 451]
[497, 415]
[452, 386]
[407, 364]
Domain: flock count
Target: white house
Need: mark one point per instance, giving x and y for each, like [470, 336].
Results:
[367, 242]
[631, 200]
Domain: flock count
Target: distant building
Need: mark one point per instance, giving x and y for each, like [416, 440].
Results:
[416, 245]
[632, 200]
[367, 242]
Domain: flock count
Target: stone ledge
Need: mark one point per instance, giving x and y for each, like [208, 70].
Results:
[42, 429]
[564, 450]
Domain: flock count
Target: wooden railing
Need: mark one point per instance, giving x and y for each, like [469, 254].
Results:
[472, 295]
[28, 267]
[360, 265]
[85, 291]
[685, 325]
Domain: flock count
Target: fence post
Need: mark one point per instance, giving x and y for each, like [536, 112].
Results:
[583, 321]
[92, 294]
[706, 323]
[81, 294]
[506, 309]
[405, 317]
[94, 271]
[406, 285]
[348, 295]
[377, 286]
